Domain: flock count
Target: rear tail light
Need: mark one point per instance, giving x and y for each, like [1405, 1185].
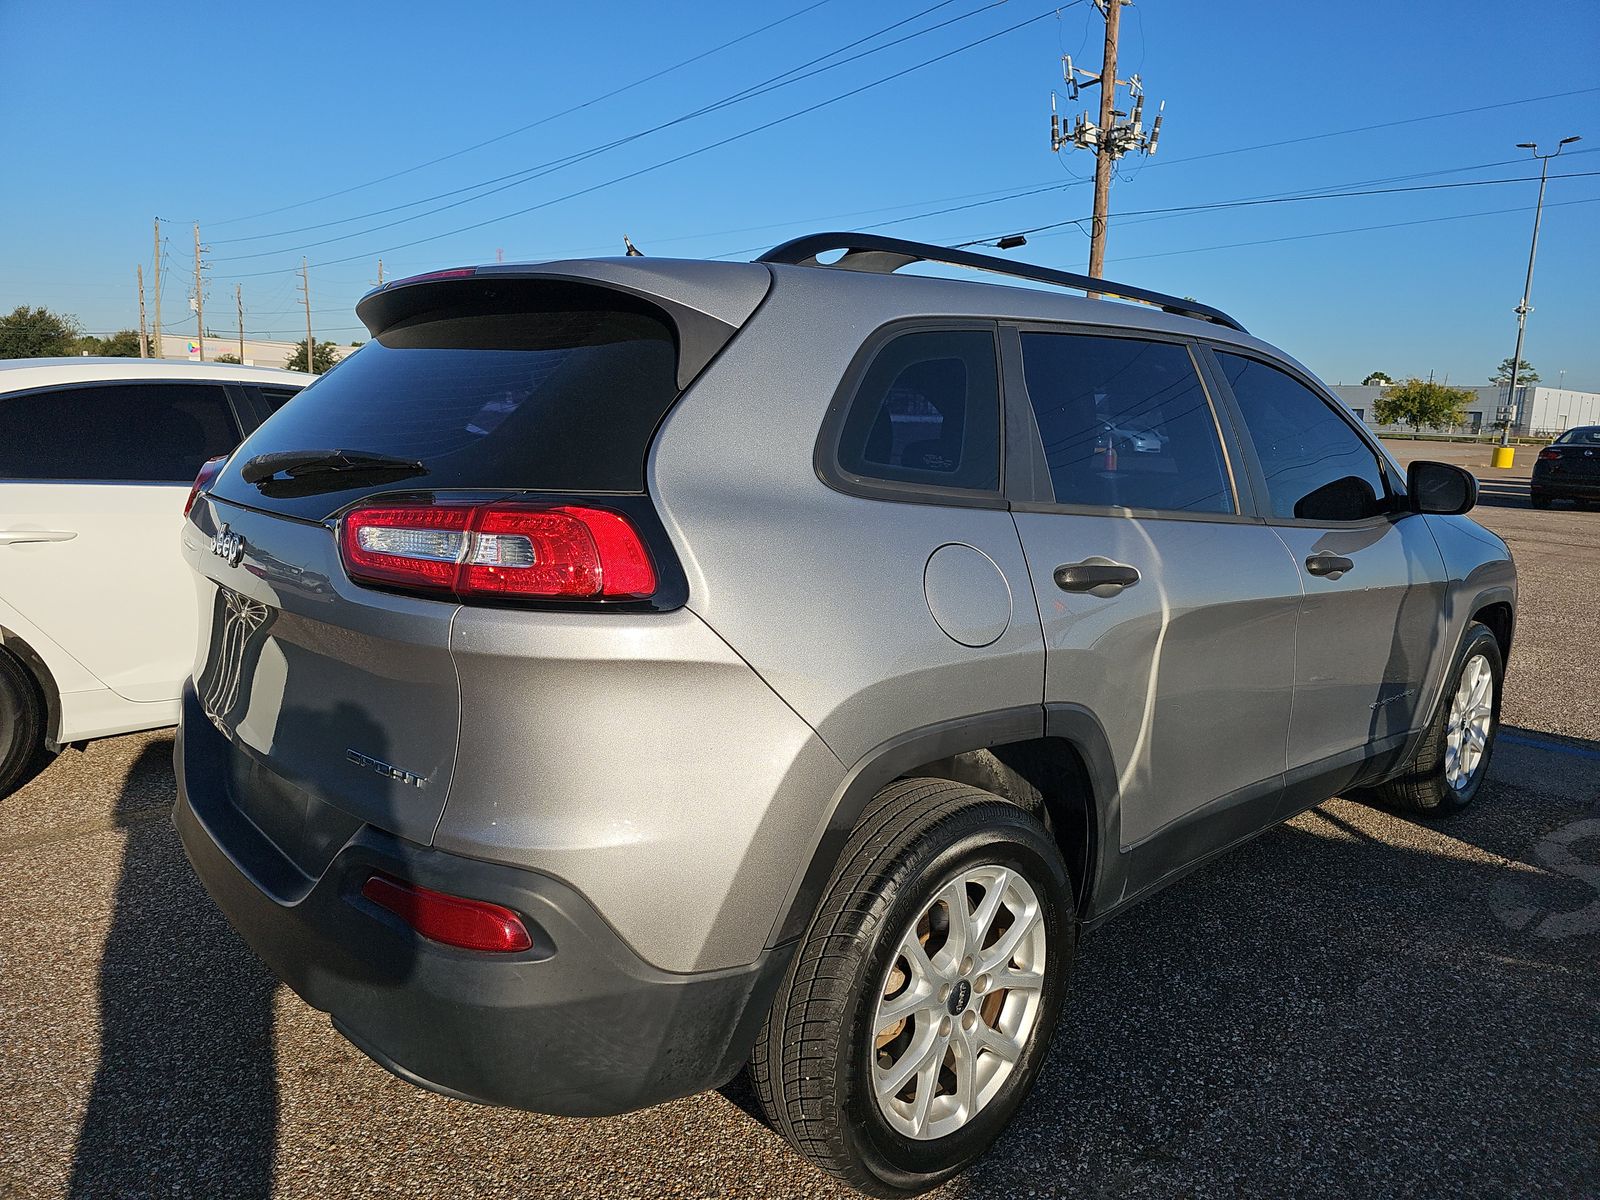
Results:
[208, 472]
[499, 550]
[1550, 454]
[453, 920]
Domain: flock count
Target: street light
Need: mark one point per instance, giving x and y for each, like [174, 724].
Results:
[1513, 409]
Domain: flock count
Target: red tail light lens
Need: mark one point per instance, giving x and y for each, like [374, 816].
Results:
[208, 472]
[551, 552]
[468, 924]
[1549, 453]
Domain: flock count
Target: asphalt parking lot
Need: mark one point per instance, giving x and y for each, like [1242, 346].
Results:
[1354, 1004]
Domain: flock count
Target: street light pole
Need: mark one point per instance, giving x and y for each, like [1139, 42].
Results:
[1513, 410]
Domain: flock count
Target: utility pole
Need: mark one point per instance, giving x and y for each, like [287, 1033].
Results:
[380, 272]
[158, 290]
[1116, 133]
[144, 332]
[238, 303]
[1522, 310]
[305, 285]
[199, 297]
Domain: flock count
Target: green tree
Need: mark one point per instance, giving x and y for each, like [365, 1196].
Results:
[37, 333]
[322, 358]
[229, 358]
[122, 344]
[1419, 403]
[1376, 377]
[1525, 373]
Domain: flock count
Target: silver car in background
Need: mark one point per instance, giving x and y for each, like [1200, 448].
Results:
[628, 672]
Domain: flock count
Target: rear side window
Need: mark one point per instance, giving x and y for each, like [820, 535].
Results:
[276, 398]
[927, 412]
[122, 433]
[555, 388]
[1317, 468]
[1125, 423]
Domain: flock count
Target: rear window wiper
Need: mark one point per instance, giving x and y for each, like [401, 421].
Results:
[263, 468]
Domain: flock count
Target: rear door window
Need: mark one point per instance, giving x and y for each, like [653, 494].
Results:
[1126, 423]
[927, 413]
[559, 389]
[1317, 467]
[122, 433]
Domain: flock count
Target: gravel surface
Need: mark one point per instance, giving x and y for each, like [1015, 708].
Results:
[1355, 1004]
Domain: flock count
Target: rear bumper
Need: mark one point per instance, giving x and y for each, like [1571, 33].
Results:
[579, 1025]
[1566, 487]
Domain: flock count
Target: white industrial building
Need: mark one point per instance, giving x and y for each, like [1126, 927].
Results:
[257, 352]
[1540, 410]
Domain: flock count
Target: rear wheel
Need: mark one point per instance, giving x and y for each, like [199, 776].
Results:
[1450, 764]
[1539, 500]
[920, 1003]
[21, 723]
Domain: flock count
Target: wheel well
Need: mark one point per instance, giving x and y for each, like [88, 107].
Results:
[1048, 777]
[43, 683]
[1500, 620]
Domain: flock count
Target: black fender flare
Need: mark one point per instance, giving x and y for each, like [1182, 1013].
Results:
[979, 731]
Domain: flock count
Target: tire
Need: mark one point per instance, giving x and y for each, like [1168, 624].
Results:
[1539, 500]
[818, 1057]
[1431, 785]
[21, 724]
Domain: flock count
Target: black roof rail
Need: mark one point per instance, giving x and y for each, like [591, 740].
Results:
[885, 255]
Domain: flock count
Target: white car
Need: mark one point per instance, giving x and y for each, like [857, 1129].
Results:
[97, 610]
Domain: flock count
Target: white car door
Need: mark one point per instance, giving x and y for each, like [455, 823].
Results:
[92, 484]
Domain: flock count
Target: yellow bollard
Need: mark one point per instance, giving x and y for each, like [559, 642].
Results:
[1503, 455]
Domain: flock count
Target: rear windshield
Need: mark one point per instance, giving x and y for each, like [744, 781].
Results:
[562, 393]
[1580, 437]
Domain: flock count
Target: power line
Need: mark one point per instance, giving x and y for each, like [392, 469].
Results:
[690, 153]
[1300, 237]
[539, 170]
[1333, 195]
[627, 87]
[1060, 185]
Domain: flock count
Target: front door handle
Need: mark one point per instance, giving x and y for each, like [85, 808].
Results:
[16, 537]
[1331, 565]
[1097, 576]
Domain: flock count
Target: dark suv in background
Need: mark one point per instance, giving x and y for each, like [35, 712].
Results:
[622, 672]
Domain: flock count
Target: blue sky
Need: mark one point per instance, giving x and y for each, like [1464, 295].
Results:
[116, 114]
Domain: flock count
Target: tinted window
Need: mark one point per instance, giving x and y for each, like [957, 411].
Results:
[1317, 468]
[130, 432]
[558, 389]
[276, 398]
[928, 412]
[1125, 424]
[1588, 436]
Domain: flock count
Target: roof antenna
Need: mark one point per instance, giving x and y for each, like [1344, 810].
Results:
[632, 250]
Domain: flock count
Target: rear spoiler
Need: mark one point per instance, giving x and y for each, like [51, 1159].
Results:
[706, 303]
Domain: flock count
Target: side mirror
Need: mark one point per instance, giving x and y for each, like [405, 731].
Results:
[1441, 488]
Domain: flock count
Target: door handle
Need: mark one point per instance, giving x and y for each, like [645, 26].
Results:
[16, 537]
[1098, 576]
[1331, 565]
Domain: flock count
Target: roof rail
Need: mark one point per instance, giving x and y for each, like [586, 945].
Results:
[885, 255]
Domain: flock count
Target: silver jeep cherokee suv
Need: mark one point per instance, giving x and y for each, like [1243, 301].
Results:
[624, 671]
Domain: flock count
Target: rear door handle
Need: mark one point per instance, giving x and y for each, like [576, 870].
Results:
[1098, 576]
[1331, 565]
[15, 537]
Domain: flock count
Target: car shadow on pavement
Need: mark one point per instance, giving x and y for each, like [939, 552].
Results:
[1503, 493]
[1357, 1003]
[184, 1100]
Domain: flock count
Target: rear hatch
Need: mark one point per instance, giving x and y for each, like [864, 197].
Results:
[333, 703]
[1576, 456]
